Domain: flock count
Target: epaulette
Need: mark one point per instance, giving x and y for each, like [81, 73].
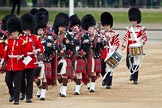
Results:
[24, 41]
[38, 37]
[1, 41]
[6, 41]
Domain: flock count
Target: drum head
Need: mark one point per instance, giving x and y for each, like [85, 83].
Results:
[135, 45]
[109, 55]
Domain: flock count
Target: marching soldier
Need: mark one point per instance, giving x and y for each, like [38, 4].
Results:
[33, 47]
[74, 29]
[13, 55]
[52, 38]
[111, 44]
[3, 43]
[89, 45]
[3, 36]
[44, 65]
[65, 69]
[134, 37]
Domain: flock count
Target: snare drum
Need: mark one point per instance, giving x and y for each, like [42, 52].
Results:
[135, 49]
[113, 60]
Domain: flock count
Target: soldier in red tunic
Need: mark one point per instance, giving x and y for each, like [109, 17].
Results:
[134, 37]
[111, 44]
[13, 55]
[33, 47]
[3, 36]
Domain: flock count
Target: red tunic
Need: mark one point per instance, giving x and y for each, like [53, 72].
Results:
[2, 46]
[112, 36]
[129, 39]
[14, 48]
[33, 43]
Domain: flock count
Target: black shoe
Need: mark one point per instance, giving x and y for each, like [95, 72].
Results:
[28, 101]
[62, 95]
[38, 96]
[42, 98]
[16, 103]
[76, 93]
[92, 91]
[88, 88]
[131, 78]
[108, 87]
[11, 99]
[135, 82]
[22, 96]
[103, 84]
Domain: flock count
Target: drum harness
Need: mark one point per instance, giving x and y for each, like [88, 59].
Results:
[111, 50]
[131, 64]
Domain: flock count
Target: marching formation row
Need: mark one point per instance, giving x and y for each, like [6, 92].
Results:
[72, 49]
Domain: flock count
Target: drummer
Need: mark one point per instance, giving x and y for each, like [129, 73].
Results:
[134, 34]
[111, 42]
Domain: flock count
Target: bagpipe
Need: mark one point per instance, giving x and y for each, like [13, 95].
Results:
[49, 38]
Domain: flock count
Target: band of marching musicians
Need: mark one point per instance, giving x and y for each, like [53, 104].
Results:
[72, 50]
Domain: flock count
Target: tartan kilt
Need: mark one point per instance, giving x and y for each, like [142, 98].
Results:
[54, 70]
[97, 65]
[48, 70]
[73, 59]
[97, 68]
[81, 66]
[69, 68]
[54, 66]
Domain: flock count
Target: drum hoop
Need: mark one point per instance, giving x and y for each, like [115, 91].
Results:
[135, 45]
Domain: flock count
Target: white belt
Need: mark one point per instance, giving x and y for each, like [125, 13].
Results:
[30, 53]
[131, 39]
[13, 56]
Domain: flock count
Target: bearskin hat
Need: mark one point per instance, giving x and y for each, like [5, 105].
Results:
[61, 19]
[14, 24]
[40, 21]
[106, 19]
[4, 21]
[134, 14]
[33, 11]
[28, 22]
[74, 20]
[88, 21]
[44, 12]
